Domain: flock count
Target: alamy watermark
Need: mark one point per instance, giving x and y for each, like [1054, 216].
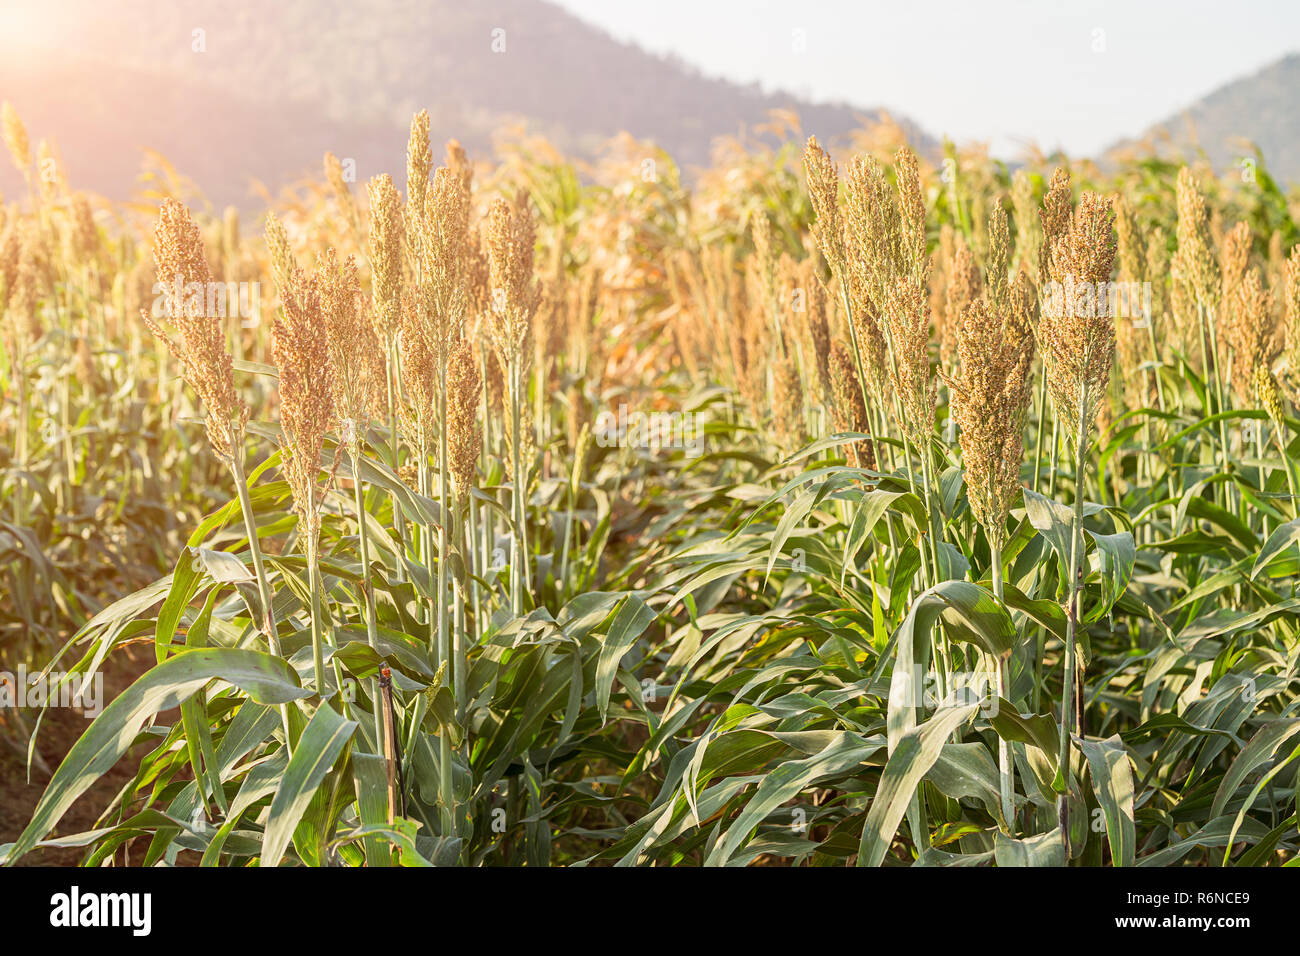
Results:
[212, 300]
[1085, 300]
[650, 430]
[55, 689]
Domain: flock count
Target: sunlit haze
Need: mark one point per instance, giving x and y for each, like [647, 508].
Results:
[1069, 74]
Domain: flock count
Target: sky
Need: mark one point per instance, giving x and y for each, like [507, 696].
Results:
[1078, 75]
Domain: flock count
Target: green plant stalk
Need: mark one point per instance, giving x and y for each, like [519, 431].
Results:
[422, 544]
[255, 549]
[19, 371]
[540, 420]
[460, 632]
[1155, 357]
[65, 422]
[372, 633]
[520, 577]
[935, 518]
[1263, 479]
[477, 560]
[1279, 427]
[269, 627]
[853, 339]
[399, 525]
[317, 631]
[1208, 324]
[1006, 779]
[443, 624]
[445, 516]
[562, 583]
[516, 557]
[1072, 612]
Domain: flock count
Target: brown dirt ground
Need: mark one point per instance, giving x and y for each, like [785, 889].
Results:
[59, 731]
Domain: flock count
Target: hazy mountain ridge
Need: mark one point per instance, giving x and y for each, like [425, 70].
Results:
[230, 94]
[1263, 109]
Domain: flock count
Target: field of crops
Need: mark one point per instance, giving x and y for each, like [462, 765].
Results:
[866, 510]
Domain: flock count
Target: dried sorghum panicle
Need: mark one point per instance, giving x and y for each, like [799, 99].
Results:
[200, 342]
[1077, 335]
[385, 258]
[1193, 264]
[464, 437]
[301, 351]
[990, 396]
[848, 408]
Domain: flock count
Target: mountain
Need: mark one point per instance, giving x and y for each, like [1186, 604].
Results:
[1263, 109]
[232, 91]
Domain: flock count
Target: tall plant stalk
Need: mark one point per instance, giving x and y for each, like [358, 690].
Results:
[367, 586]
[1072, 614]
[1006, 773]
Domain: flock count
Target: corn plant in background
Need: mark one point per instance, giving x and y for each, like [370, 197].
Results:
[800, 518]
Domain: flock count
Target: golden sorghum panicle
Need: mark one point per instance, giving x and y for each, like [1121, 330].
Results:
[420, 377]
[964, 287]
[494, 381]
[10, 252]
[1193, 264]
[873, 243]
[848, 408]
[301, 351]
[477, 274]
[787, 402]
[914, 262]
[1131, 342]
[941, 261]
[819, 330]
[230, 246]
[765, 253]
[1029, 235]
[15, 134]
[385, 257]
[21, 292]
[1128, 238]
[457, 160]
[1077, 333]
[1291, 312]
[515, 293]
[355, 351]
[334, 176]
[1234, 260]
[1251, 333]
[907, 308]
[823, 190]
[872, 250]
[990, 395]
[1055, 220]
[551, 324]
[82, 239]
[201, 346]
[342, 191]
[464, 439]
[997, 272]
[443, 247]
[419, 161]
[283, 263]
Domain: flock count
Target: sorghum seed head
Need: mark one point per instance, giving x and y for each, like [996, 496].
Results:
[301, 351]
[464, 438]
[201, 347]
[385, 257]
[15, 134]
